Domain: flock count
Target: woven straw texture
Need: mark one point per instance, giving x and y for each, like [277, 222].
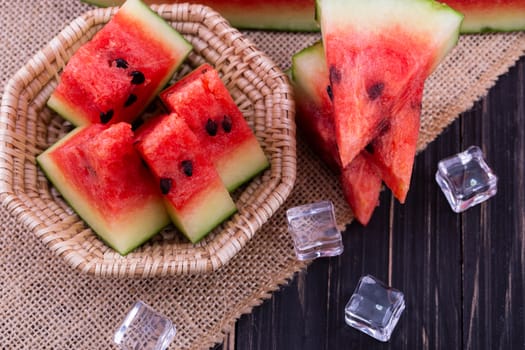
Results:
[47, 304]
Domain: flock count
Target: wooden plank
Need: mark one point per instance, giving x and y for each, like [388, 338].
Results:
[494, 232]
[308, 313]
[463, 275]
[412, 247]
[426, 258]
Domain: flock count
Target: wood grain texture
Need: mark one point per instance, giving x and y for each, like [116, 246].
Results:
[463, 275]
[494, 232]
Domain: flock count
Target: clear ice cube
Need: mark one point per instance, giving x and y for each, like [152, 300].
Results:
[374, 308]
[314, 230]
[144, 329]
[466, 179]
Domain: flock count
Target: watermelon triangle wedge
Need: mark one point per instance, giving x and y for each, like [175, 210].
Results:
[379, 53]
[360, 180]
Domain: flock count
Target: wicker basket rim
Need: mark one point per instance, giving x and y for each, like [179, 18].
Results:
[248, 69]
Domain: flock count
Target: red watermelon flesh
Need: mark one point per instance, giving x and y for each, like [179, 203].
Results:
[490, 15]
[204, 102]
[100, 174]
[360, 180]
[115, 75]
[393, 151]
[194, 194]
[361, 187]
[373, 50]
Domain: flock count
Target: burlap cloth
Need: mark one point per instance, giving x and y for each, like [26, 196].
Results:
[45, 304]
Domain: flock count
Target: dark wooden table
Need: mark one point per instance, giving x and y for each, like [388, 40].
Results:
[463, 275]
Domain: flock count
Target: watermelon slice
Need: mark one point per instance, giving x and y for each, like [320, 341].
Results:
[100, 174]
[298, 15]
[194, 194]
[114, 76]
[289, 15]
[379, 53]
[490, 15]
[207, 107]
[360, 180]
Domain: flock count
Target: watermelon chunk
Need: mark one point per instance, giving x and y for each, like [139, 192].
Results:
[100, 174]
[115, 75]
[379, 54]
[490, 15]
[194, 194]
[207, 107]
[360, 179]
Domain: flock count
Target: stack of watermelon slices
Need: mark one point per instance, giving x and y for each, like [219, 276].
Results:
[360, 179]
[200, 152]
[129, 184]
[377, 56]
[209, 110]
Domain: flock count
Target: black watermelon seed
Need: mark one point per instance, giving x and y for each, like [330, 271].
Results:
[154, 106]
[329, 92]
[137, 123]
[227, 123]
[187, 167]
[121, 63]
[375, 90]
[335, 75]
[91, 171]
[370, 148]
[105, 117]
[211, 127]
[132, 98]
[165, 185]
[137, 77]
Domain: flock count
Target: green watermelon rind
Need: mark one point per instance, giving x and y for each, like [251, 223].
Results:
[144, 14]
[497, 25]
[228, 210]
[495, 21]
[104, 3]
[238, 176]
[287, 19]
[298, 63]
[156, 222]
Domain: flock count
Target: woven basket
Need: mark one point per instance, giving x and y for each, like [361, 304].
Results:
[28, 127]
